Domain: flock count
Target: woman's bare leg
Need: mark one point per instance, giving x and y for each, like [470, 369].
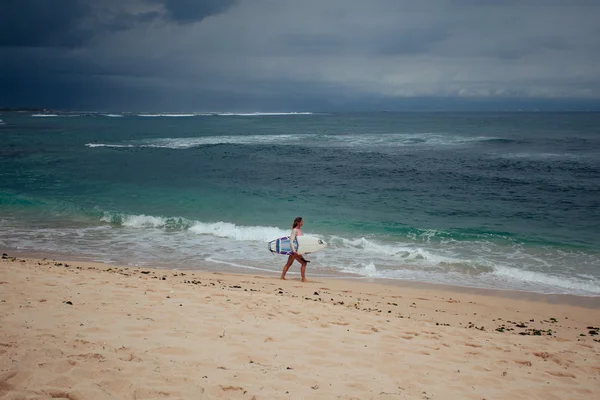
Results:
[287, 266]
[302, 268]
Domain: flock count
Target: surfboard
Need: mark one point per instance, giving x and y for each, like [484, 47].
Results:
[304, 245]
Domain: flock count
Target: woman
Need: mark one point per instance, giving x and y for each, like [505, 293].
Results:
[295, 255]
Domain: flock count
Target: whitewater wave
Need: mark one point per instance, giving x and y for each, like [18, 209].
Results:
[185, 242]
[357, 141]
[500, 277]
[535, 279]
[172, 115]
[186, 143]
[232, 231]
[56, 115]
[261, 234]
[359, 248]
[113, 115]
[218, 229]
[261, 114]
[222, 114]
[146, 221]
[110, 145]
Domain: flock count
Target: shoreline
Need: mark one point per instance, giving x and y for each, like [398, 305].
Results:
[415, 289]
[587, 301]
[84, 330]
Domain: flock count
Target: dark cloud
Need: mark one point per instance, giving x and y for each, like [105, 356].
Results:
[186, 11]
[38, 23]
[72, 23]
[64, 23]
[266, 54]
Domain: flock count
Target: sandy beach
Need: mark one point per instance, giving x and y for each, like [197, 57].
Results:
[84, 331]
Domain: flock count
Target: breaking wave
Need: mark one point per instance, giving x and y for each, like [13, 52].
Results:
[313, 140]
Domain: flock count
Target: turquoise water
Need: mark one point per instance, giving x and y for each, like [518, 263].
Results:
[500, 200]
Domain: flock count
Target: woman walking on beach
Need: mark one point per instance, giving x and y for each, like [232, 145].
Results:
[295, 255]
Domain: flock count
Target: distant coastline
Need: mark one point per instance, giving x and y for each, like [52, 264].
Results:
[27, 109]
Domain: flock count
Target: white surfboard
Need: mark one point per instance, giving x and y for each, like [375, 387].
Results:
[304, 245]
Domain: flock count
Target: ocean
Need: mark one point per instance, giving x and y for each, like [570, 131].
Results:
[486, 200]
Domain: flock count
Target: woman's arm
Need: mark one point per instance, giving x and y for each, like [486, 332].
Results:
[292, 239]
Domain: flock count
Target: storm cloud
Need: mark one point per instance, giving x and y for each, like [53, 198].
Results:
[272, 55]
[31, 23]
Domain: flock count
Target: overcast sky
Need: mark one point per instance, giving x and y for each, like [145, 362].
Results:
[298, 55]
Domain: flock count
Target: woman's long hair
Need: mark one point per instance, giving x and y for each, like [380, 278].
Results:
[297, 222]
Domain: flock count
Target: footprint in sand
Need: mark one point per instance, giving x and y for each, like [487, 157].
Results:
[59, 366]
[87, 357]
[4, 380]
[127, 354]
[525, 363]
[59, 394]
[342, 323]
[560, 374]
[130, 357]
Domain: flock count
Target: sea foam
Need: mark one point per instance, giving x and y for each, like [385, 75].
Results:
[179, 241]
[262, 114]
[218, 229]
[536, 279]
[166, 115]
[232, 231]
[351, 141]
